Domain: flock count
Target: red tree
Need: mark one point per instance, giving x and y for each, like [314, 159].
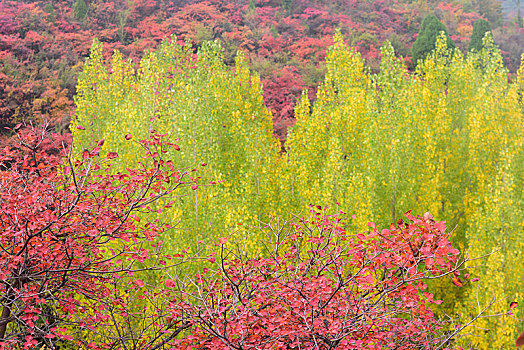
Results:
[320, 287]
[74, 249]
[71, 236]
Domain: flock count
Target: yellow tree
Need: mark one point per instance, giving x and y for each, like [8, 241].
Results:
[494, 200]
[327, 149]
[216, 113]
[447, 139]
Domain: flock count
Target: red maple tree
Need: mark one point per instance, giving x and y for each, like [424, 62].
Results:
[72, 237]
[79, 251]
[321, 287]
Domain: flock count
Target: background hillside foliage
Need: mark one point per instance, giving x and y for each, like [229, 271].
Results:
[43, 43]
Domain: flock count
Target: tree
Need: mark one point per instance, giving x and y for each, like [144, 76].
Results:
[217, 112]
[491, 9]
[287, 6]
[494, 203]
[76, 263]
[480, 28]
[430, 28]
[80, 9]
[319, 286]
[446, 140]
[71, 239]
[50, 10]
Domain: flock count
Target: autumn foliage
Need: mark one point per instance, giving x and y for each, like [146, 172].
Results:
[118, 239]
[71, 234]
[74, 250]
[43, 44]
[321, 286]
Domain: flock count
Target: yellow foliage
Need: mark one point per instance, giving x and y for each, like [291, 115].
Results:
[447, 139]
[217, 114]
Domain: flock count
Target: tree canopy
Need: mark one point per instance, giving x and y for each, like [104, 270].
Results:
[480, 28]
[430, 29]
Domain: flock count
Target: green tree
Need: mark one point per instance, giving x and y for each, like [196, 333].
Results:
[446, 139]
[50, 10]
[287, 6]
[80, 10]
[491, 9]
[430, 28]
[480, 28]
[217, 113]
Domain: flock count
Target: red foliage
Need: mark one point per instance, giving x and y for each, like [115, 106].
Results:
[71, 233]
[43, 44]
[281, 90]
[75, 240]
[323, 287]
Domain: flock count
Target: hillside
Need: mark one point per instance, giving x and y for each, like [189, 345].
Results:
[43, 44]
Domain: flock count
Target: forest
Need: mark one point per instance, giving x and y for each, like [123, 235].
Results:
[261, 174]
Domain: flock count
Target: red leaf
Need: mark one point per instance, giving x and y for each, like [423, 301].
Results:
[170, 284]
[139, 283]
[176, 147]
[100, 143]
[128, 137]
[112, 155]
[80, 127]
[457, 282]
[520, 339]
[513, 305]
[441, 226]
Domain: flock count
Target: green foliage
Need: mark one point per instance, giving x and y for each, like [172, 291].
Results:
[491, 9]
[401, 48]
[80, 9]
[202, 33]
[287, 6]
[447, 140]
[50, 10]
[480, 28]
[274, 31]
[430, 28]
[217, 113]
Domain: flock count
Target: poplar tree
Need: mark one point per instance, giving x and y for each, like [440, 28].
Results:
[447, 139]
[80, 9]
[218, 115]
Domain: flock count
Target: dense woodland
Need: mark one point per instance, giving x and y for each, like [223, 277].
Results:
[261, 174]
[43, 44]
